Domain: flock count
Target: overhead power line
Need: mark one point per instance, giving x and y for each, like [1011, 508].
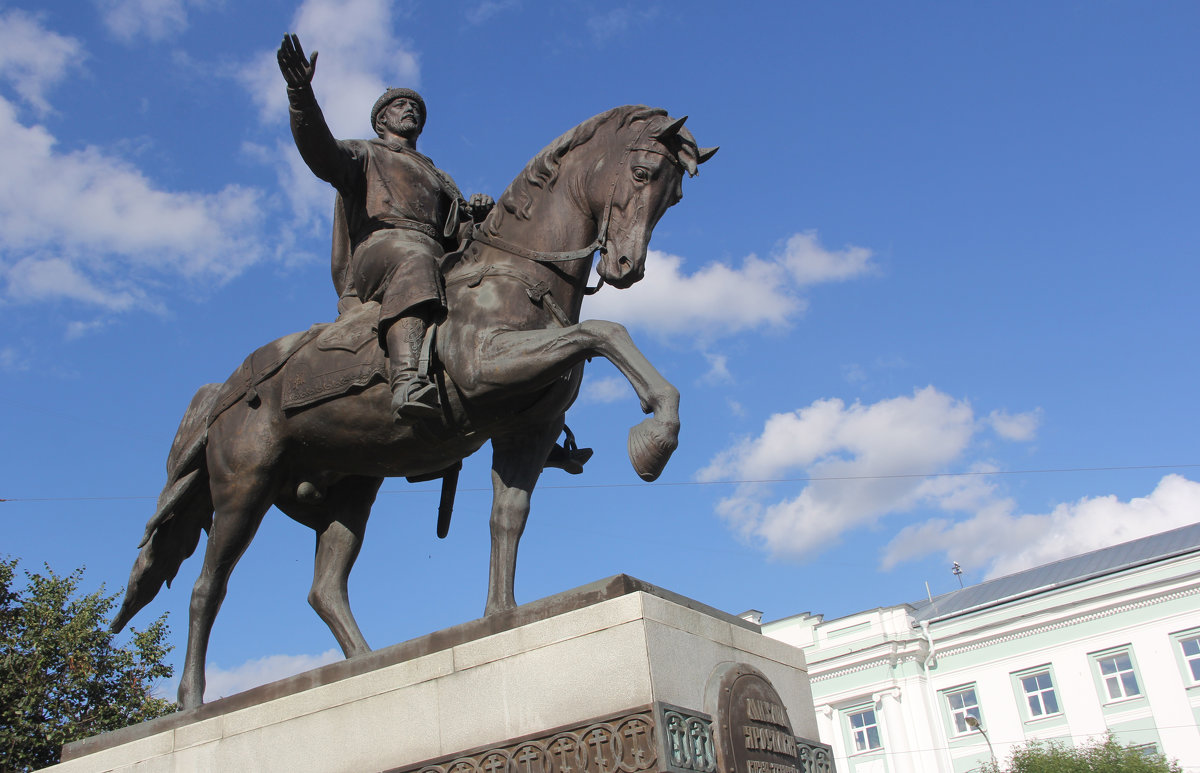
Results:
[676, 484]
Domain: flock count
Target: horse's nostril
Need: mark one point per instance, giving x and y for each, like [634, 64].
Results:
[624, 263]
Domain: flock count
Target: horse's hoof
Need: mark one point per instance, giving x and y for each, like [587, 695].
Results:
[650, 448]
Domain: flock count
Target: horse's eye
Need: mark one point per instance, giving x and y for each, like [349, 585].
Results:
[641, 174]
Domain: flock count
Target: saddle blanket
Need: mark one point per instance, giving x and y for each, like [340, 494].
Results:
[345, 355]
[321, 363]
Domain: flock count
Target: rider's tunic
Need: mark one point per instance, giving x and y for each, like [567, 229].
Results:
[397, 205]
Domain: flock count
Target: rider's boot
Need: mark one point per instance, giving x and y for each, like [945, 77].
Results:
[413, 398]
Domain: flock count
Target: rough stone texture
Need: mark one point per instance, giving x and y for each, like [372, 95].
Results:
[610, 647]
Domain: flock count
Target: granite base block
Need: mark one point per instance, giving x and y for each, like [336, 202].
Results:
[611, 676]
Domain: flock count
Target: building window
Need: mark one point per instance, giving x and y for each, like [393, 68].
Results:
[963, 704]
[1191, 655]
[1116, 671]
[1148, 750]
[1039, 693]
[865, 729]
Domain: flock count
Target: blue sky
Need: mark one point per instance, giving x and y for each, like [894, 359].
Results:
[933, 301]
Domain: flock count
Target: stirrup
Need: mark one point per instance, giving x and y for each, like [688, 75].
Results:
[413, 401]
[568, 456]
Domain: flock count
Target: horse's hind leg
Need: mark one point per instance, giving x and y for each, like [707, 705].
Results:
[240, 499]
[339, 538]
[517, 462]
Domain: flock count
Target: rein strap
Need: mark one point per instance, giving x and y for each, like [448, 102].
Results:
[481, 236]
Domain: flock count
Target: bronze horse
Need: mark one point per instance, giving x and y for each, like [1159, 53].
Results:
[511, 350]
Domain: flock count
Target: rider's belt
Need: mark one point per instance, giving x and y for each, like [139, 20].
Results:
[409, 225]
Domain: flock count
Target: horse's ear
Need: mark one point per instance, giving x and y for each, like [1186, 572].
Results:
[707, 153]
[670, 131]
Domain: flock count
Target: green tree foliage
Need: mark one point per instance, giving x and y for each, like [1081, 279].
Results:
[1105, 756]
[62, 675]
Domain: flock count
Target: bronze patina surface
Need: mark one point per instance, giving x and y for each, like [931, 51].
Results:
[506, 293]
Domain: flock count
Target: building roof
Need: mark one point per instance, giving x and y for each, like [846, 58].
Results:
[1067, 571]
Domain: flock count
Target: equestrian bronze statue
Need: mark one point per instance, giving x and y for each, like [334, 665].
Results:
[314, 422]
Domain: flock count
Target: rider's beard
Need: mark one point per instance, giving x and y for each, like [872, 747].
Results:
[405, 127]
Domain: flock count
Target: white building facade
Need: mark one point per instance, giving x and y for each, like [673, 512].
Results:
[1106, 641]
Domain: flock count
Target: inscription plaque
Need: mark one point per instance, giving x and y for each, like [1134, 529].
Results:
[754, 732]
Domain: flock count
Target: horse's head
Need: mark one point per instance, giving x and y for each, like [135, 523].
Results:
[617, 172]
[654, 154]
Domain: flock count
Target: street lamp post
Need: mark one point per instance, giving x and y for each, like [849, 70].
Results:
[974, 723]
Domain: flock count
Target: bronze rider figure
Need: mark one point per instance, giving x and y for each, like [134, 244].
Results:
[398, 214]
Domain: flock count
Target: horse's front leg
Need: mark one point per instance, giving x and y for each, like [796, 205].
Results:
[534, 358]
[517, 462]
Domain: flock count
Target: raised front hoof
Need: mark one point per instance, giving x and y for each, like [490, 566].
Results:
[651, 444]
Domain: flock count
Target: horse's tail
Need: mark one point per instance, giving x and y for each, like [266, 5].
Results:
[185, 508]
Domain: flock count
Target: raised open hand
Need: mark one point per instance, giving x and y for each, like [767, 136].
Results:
[297, 70]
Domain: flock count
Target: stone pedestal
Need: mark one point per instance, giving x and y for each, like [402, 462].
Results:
[615, 676]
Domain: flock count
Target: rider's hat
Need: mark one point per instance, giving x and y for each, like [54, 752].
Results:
[392, 95]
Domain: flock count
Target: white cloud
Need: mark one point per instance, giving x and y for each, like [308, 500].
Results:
[810, 263]
[714, 301]
[310, 197]
[854, 373]
[32, 58]
[866, 462]
[36, 279]
[1015, 426]
[720, 299]
[222, 682]
[605, 390]
[869, 459]
[153, 19]
[123, 230]
[616, 21]
[115, 210]
[970, 491]
[998, 538]
[11, 361]
[360, 57]
[718, 369]
[78, 329]
[482, 12]
[609, 24]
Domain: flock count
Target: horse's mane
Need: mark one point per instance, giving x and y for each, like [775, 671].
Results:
[542, 170]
